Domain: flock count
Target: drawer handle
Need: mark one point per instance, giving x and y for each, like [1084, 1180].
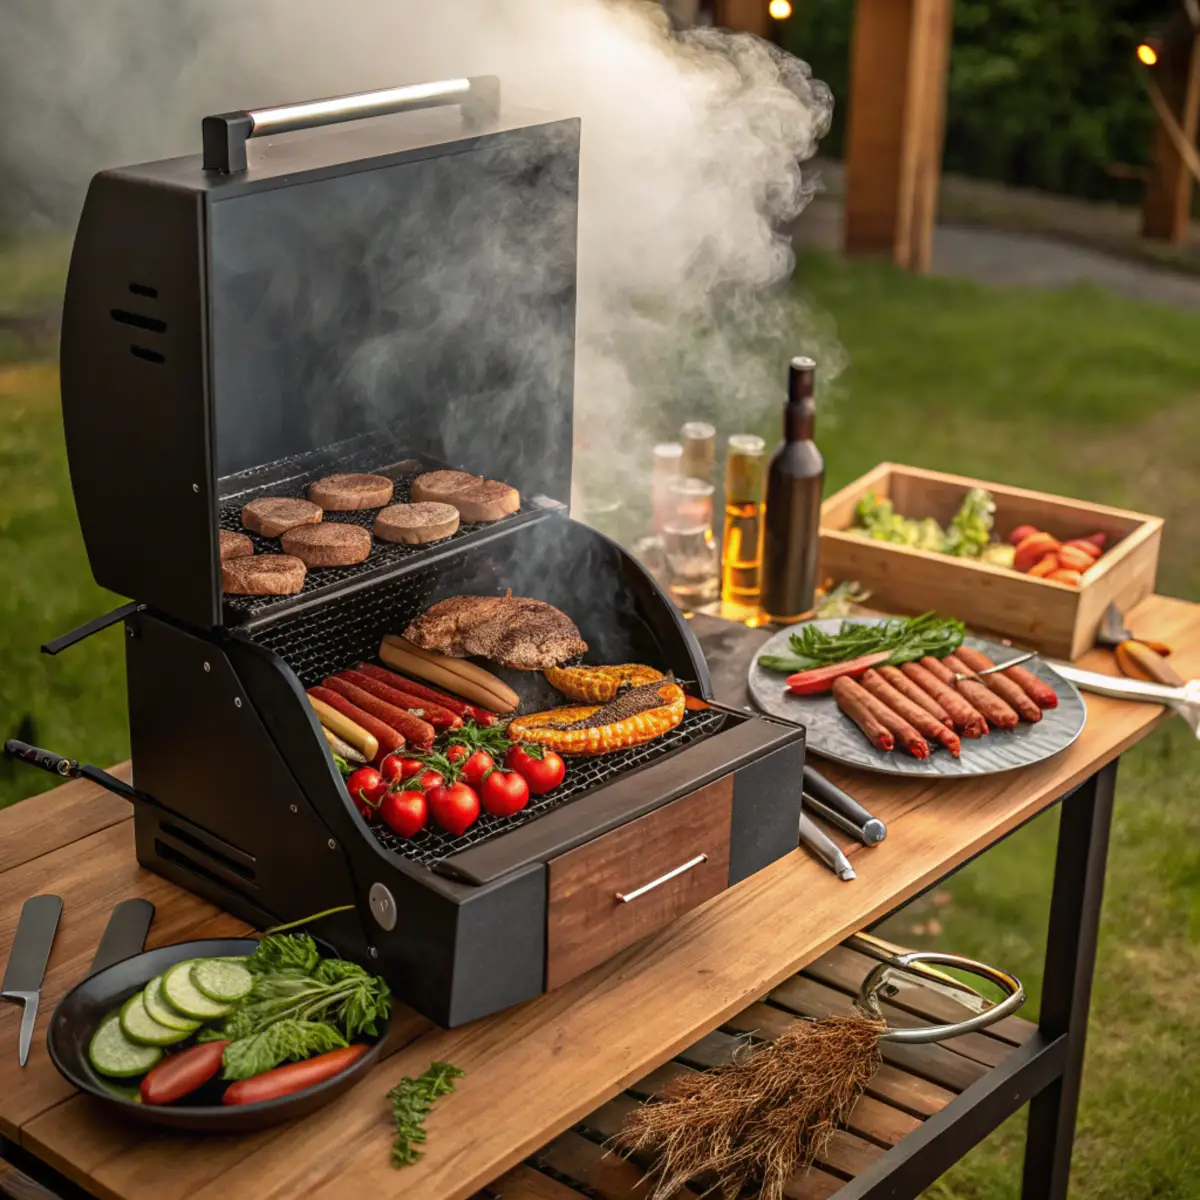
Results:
[626, 897]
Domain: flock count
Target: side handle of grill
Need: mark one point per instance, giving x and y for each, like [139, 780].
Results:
[225, 134]
[68, 768]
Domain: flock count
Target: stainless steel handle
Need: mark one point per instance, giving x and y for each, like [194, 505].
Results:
[936, 1033]
[225, 134]
[626, 897]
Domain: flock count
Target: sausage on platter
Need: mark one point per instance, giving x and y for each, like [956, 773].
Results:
[1008, 691]
[848, 701]
[852, 698]
[389, 740]
[426, 710]
[967, 720]
[419, 733]
[995, 711]
[1037, 689]
[923, 722]
[905, 686]
[937, 668]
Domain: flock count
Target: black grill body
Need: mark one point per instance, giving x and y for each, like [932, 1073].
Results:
[349, 303]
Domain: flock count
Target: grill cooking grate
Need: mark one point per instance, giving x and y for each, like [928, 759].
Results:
[430, 846]
[291, 476]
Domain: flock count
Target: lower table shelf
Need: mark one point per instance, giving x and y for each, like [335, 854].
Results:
[913, 1084]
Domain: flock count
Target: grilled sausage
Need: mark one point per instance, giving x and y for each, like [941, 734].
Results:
[1011, 693]
[413, 729]
[459, 707]
[427, 710]
[937, 668]
[995, 711]
[1038, 690]
[848, 692]
[967, 720]
[905, 686]
[876, 732]
[923, 722]
[389, 740]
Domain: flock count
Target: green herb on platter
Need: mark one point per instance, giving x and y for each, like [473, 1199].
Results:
[411, 1101]
[905, 638]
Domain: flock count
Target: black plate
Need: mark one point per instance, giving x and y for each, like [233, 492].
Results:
[81, 1010]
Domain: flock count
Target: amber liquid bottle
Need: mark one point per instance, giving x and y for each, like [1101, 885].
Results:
[795, 481]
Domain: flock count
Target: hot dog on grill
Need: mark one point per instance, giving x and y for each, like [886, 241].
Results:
[923, 722]
[413, 729]
[426, 710]
[1038, 690]
[967, 720]
[854, 699]
[1008, 691]
[906, 687]
[389, 740]
[981, 697]
[459, 707]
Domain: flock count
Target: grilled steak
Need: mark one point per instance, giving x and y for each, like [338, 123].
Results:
[330, 544]
[528, 635]
[263, 575]
[234, 545]
[476, 499]
[415, 524]
[273, 515]
[349, 493]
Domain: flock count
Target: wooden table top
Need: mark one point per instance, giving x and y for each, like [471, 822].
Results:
[536, 1069]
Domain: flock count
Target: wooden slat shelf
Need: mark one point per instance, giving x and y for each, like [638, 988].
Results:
[914, 1083]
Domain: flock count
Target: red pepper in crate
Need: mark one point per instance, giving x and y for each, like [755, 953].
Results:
[820, 679]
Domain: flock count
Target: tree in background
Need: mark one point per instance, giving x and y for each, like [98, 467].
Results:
[1042, 93]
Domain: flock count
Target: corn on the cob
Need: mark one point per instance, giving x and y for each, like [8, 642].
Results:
[571, 731]
[598, 685]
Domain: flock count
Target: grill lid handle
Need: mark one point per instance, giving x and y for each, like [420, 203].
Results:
[225, 135]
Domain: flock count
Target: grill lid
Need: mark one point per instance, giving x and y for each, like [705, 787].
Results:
[404, 284]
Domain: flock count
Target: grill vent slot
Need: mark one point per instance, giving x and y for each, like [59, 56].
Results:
[144, 289]
[153, 324]
[234, 860]
[149, 355]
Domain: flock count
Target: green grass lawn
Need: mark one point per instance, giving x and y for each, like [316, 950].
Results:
[1074, 392]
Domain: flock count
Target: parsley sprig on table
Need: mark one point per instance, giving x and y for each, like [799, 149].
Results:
[907, 639]
[411, 1101]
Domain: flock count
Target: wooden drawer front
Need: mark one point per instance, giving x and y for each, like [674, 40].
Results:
[587, 922]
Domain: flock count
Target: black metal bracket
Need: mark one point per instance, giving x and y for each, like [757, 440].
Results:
[81, 632]
[68, 768]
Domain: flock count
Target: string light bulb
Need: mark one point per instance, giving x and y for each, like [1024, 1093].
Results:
[1147, 55]
[780, 10]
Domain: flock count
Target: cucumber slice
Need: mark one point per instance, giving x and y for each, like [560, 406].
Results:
[162, 1012]
[221, 980]
[179, 991]
[113, 1054]
[139, 1026]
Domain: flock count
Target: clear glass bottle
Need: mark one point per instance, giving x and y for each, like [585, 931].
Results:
[699, 440]
[741, 546]
[689, 547]
[795, 480]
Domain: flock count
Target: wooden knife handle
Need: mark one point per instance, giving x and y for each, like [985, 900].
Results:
[1151, 665]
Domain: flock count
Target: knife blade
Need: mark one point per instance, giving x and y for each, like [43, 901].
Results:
[1121, 687]
[27, 962]
[124, 935]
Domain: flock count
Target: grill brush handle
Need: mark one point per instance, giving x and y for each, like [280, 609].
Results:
[225, 135]
[68, 768]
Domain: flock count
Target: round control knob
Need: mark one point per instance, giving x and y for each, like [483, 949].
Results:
[383, 906]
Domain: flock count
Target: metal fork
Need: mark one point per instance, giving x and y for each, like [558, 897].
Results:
[1012, 662]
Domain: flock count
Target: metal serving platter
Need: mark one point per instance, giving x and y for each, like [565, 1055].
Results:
[833, 735]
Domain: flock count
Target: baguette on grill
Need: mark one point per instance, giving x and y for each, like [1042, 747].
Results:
[475, 498]
[275, 515]
[461, 678]
[366, 743]
[343, 749]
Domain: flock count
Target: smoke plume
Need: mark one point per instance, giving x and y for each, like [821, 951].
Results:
[691, 171]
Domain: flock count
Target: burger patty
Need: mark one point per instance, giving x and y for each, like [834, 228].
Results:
[263, 575]
[476, 499]
[330, 544]
[274, 515]
[350, 493]
[234, 545]
[415, 524]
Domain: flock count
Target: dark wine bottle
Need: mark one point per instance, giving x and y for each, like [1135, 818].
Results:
[795, 481]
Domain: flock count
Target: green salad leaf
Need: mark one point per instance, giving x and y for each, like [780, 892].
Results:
[285, 1041]
[411, 1101]
[280, 950]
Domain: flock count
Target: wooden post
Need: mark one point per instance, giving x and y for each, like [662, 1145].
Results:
[746, 16]
[896, 127]
[1166, 210]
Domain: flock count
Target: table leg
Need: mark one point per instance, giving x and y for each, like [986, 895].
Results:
[1067, 983]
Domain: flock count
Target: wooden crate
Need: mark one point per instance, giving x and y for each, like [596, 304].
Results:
[1054, 618]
